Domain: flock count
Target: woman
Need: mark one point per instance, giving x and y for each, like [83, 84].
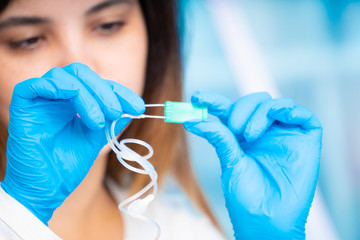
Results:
[56, 160]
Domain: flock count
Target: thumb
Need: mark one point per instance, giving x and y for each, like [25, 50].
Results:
[220, 137]
[121, 123]
[117, 126]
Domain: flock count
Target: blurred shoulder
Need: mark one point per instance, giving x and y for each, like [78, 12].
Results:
[177, 218]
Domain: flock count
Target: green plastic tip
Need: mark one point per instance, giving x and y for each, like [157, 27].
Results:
[179, 112]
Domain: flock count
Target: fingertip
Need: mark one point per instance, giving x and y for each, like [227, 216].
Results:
[114, 112]
[264, 95]
[247, 133]
[195, 97]
[193, 121]
[99, 121]
[308, 118]
[315, 123]
[282, 106]
[140, 106]
[244, 108]
[55, 72]
[189, 125]
[101, 124]
[209, 98]
[233, 126]
[75, 67]
[280, 109]
[282, 113]
[251, 136]
[95, 123]
[130, 101]
[89, 111]
[134, 107]
[121, 124]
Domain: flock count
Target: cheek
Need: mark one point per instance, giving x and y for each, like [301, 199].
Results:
[15, 70]
[126, 63]
[6, 87]
[124, 58]
[10, 75]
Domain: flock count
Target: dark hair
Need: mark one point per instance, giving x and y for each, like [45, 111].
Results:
[4, 4]
[163, 82]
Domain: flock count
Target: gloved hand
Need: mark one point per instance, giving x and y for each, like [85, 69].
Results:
[269, 151]
[56, 131]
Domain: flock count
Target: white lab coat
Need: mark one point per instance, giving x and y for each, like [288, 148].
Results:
[176, 219]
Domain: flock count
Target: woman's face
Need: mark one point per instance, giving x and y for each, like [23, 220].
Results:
[107, 35]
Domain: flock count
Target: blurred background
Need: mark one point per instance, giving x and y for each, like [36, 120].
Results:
[308, 50]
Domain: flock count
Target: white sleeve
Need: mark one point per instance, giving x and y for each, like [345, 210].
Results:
[17, 222]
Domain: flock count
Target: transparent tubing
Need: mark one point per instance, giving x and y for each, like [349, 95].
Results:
[137, 206]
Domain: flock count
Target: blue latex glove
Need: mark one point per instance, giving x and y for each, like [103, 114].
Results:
[270, 152]
[50, 149]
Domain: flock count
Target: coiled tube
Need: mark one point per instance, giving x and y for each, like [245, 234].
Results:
[136, 205]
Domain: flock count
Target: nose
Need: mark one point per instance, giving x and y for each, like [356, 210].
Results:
[74, 53]
[75, 49]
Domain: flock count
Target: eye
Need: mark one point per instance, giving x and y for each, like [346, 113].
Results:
[108, 28]
[28, 44]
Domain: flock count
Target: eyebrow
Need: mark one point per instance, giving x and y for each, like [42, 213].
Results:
[23, 21]
[106, 4]
[28, 21]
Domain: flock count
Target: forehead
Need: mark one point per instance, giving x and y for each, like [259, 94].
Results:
[55, 8]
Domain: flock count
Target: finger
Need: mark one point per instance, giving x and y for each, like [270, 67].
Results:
[131, 102]
[260, 121]
[121, 124]
[67, 88]
[243, 109]
[220, 137]
[217, 104]
[296, 116]
[97, 86]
